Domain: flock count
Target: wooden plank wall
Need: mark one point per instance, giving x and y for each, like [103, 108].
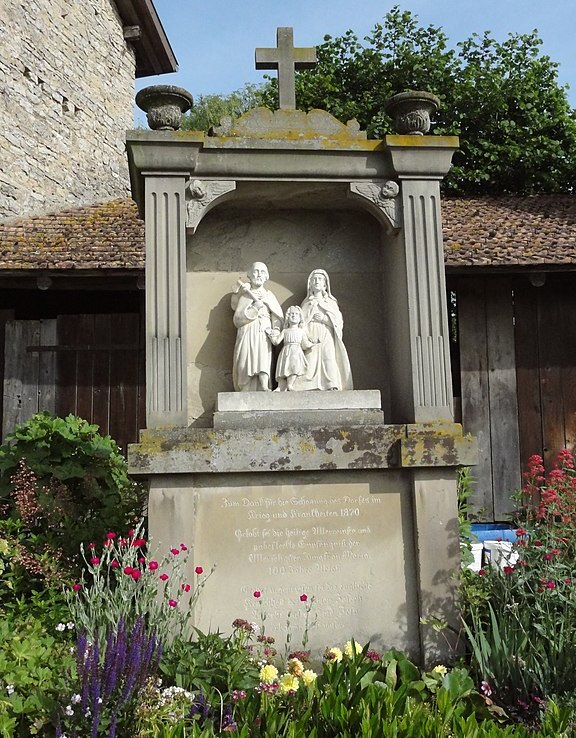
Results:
[29, 385]
[489, 390]
[88, 365]
[101, 373]
[517, 346]
[546, 366]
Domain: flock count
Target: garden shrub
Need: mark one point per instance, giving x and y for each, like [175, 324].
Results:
[64, 482]
[521, 620]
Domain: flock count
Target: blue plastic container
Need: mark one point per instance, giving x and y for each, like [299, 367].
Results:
[494, 532]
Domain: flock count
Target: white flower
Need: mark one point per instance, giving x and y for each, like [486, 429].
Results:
[69, 710]
[10, 688]
[70, 626]
[254, 627]
[60, 627]
[75, 699]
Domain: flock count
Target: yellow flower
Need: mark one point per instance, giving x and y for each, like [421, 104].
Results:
[351, 648]
[309, 677]
[333, 655]
[268, 674]
[440, 669]
[295, 667]
[288, 683]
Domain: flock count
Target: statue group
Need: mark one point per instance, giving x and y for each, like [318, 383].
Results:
[313, 355]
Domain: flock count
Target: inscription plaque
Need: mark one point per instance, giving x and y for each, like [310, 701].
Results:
[338, 541]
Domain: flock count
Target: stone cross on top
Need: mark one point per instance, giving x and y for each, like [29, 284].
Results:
[286, 59]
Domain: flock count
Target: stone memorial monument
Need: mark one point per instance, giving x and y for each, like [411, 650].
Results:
[343, 490]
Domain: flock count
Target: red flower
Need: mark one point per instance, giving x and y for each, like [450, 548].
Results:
[141, 560]
[111, 535]
[107, 543]
[164, 577]
[172, 603]
[128, 570]
[114, 564]
[183, 547]
[508, 569]
[521, 531]
[137, 542]
[94, 560]
[303, 598]
[136, 574]
[550, 585]
[153, 565]
[548, 557]
[91, 545]
[568, 580]
[481, 572]
[186, 587]
[131, 533]
[199, 570]
[257, 594]
[76, 587]
[537, 543]
[175, 551]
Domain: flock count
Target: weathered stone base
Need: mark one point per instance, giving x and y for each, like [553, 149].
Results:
[364, 519]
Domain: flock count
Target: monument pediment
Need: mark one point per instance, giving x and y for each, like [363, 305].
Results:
[291, 125]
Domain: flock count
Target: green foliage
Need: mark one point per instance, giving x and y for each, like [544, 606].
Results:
[64, 482]
[209, 110]
[123, 582]
[521, 623]
[33, 666]
[517, 131]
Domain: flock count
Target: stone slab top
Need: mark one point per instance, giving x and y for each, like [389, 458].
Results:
[278, 401]
[203, 450]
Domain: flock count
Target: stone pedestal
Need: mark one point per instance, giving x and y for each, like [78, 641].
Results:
[303, 492]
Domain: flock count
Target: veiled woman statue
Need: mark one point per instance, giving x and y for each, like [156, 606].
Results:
[328, 367]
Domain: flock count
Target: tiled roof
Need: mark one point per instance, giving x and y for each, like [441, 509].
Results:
[499, 231]
[509, 230]
[105, 236]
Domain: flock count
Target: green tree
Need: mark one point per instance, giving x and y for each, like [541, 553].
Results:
[209, 110]
[517, 130]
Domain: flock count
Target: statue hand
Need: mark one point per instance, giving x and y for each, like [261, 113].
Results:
[258, 304]
[318, 317]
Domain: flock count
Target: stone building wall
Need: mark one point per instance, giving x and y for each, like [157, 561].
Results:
[66, 100]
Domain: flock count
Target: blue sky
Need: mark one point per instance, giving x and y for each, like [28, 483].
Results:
[214, 42]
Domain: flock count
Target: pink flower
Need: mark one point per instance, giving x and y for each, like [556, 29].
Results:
[508, 569]
[94, 560]
[76, 587]
[128, 570]
[137, 542]
[550, 585]
[257, 594]
[153, 565]
[91, 545]
[199, 570]
[131, 533]
[111, 535]
[114, 564]
[136, 574]
[175, 551]
[183, 547]
[141, 560]
[172, 603]
[303, 598]
[186, 587]
[164, 577]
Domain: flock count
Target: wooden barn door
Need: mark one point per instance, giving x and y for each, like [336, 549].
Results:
[489, 390]
[88, 365]
[546, 366]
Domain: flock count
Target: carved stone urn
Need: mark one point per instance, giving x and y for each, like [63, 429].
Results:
[411, 111]
[164, 105]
